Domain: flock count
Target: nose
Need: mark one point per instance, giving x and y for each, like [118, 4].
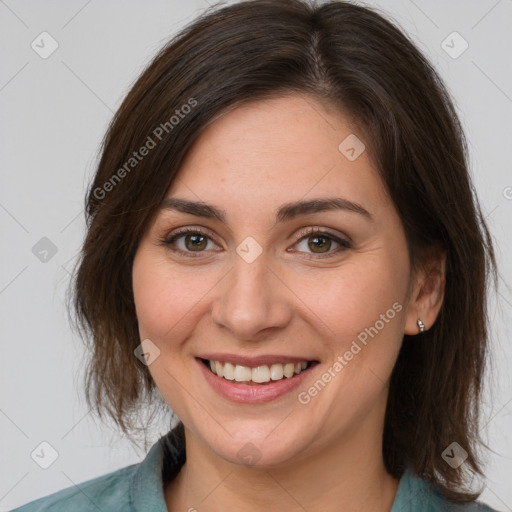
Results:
[251, 300]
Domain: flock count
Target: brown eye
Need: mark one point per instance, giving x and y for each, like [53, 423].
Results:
[319, 244]
[196, 242]
[189, 241]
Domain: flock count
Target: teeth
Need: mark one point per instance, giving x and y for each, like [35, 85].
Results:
[219, 368]
[276, 372]
[289, 370]
[242, 373]
[259, 374]
[229, 371]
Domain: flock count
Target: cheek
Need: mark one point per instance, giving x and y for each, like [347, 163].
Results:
[159, 298]
[167, 300]
[364, 311]
[353, 298]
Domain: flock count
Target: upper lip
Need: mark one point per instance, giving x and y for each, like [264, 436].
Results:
[253, 361]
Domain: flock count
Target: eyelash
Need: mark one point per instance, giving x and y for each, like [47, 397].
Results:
[169, 240]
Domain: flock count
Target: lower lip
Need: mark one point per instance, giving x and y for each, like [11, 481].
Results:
[252, 393]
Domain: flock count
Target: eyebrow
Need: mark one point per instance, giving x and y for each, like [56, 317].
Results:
[286, 212]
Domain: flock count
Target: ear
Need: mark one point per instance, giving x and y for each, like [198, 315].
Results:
[427, 294]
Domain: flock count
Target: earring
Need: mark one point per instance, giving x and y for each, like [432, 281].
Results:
[421, 325]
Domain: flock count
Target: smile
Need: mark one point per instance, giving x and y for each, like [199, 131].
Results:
[254, 380]
[258, 375]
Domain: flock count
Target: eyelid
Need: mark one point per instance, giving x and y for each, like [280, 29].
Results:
[343, 239]
[189, 230]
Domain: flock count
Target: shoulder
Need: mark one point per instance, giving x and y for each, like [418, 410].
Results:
[418, 495]
[108, 492]
[134, 488]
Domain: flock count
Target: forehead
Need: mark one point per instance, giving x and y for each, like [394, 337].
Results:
[279, 150]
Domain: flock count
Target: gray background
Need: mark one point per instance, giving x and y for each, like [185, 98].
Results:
[54, 113]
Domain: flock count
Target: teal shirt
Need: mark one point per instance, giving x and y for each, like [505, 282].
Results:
[139, 488]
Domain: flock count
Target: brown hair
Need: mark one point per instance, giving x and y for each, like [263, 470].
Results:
[351, 57]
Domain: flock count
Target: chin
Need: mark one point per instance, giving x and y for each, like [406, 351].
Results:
[261, 448]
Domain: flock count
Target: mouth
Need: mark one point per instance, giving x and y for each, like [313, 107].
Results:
[257, 375]
[254, 380]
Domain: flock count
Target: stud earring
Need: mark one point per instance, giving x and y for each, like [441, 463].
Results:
[421, 325]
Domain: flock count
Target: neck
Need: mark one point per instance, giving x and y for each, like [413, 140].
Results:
[348, 473]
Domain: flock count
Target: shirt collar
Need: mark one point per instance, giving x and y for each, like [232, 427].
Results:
[146, 486]
[415, 494]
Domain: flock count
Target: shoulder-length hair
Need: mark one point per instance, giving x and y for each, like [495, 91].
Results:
[350, 57]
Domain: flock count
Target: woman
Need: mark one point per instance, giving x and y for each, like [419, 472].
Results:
[284, 242]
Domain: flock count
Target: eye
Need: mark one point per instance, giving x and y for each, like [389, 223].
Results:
[318, 242]
[189, 241]
[314, 242]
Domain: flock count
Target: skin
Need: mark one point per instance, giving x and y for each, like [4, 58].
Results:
[290, 300]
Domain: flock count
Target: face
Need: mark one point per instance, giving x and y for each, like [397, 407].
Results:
[266, 287]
